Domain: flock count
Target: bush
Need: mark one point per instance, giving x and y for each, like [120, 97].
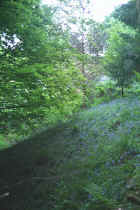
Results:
[105, 92]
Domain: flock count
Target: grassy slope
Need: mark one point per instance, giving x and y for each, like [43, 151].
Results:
[89, 163]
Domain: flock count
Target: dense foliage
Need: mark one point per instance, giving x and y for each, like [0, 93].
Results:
[122, 12]
[38, 79]
[120, 58]
[123, 55]
[55, 61]
[46, 67]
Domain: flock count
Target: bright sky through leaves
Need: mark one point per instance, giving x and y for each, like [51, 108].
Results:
[101, 8]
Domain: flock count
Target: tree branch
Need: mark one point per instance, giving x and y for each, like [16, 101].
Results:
[21, 106]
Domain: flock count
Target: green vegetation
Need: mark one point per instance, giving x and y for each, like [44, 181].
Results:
[119, 59]
[91, 162]
[68, 139]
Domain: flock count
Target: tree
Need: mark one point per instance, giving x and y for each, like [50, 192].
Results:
[127, 13]
[38, 82]
[97, 37]
[138, 12]
[130, 14]
[76, 18]
[120, 57]
[87, 38]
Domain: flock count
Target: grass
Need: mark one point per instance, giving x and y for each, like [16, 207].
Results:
[3, 144]
[91, 162]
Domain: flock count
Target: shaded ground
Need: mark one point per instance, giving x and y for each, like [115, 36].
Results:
[32, 165]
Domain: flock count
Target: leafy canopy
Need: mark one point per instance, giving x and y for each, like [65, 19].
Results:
[120, 58]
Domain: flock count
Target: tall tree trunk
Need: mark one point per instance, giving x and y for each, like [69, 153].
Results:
[83, 37]
[122, 91]
[83, 53]
[138, 11]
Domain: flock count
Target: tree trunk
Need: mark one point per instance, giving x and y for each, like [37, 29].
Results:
[122, 91]
[83, 53]
[138, 12]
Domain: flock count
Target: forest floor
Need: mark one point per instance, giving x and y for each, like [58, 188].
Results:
[91, 162]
